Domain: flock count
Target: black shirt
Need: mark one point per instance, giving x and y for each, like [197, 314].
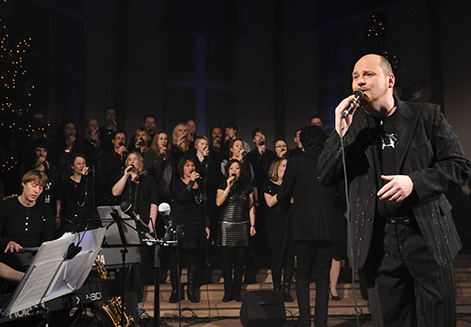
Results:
[27, 226]
[383, 136]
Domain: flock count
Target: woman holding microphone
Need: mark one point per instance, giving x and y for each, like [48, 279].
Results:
[237, 222]
[188, 216]
[138, 188]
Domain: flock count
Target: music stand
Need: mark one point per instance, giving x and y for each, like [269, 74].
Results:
[52, 275]
[112, 234]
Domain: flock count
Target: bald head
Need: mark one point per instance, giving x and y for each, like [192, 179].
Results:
[382, 62]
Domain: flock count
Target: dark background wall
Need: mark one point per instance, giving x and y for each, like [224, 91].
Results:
[267, 63]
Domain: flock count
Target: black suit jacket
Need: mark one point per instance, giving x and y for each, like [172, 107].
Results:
[314, 211]
[427, 151]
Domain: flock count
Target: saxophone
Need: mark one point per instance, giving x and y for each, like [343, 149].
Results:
[114, 309]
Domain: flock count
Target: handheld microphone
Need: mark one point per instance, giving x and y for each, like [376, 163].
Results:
[126, 208]
[358, 95]
[262, 142]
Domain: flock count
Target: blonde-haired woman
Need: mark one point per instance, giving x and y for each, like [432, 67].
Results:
[138, 188]
[279, 231]
[180, 145]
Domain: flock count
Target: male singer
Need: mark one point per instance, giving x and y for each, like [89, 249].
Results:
[401, 157]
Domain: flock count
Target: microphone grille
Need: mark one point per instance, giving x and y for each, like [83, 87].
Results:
[125, 206]
[359, 94]
[164, 208]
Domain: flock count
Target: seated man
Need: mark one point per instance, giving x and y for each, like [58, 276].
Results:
[24, 222]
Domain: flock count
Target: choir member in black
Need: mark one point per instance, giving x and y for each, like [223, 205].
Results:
[93, 149]
[161, 165]
[260, 159]
[40, 158]
[149, 124]
[188, 217]
[68, 143]
[138, 188]
[281, 149]
[191, 125]
[237, 222]
[141, 141]
[109, 128]
[180, 145]
[216, 142]
[279, 227]
[25, 222]
[111, 165]
[207, 165]
[74, 206]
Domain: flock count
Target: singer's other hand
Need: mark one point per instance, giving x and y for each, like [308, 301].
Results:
[344, 124]
[396, 189]
[207, 233]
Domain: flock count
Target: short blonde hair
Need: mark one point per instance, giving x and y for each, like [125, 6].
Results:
[35, 176]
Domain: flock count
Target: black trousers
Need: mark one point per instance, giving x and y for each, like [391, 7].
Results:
[406, 287]
[315, 257]
[233, 255]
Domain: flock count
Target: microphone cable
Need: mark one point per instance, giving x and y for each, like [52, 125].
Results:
[348, 214]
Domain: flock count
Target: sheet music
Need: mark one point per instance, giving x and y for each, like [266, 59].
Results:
[51, 276]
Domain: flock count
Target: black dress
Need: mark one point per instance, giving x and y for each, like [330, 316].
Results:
[279, 227]
[234, 224]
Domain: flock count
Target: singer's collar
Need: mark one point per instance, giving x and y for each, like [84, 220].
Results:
[381, 114]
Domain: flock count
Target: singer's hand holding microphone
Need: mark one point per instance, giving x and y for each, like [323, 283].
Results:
[128, 170]
[345, 110]
[194, 176]
[230, 180]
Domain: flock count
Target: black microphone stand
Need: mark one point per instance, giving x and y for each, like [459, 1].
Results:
[157, 265]
[124, 250]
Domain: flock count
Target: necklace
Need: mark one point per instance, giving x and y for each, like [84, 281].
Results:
[198, 196]
[81, 205]
[388, 113]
